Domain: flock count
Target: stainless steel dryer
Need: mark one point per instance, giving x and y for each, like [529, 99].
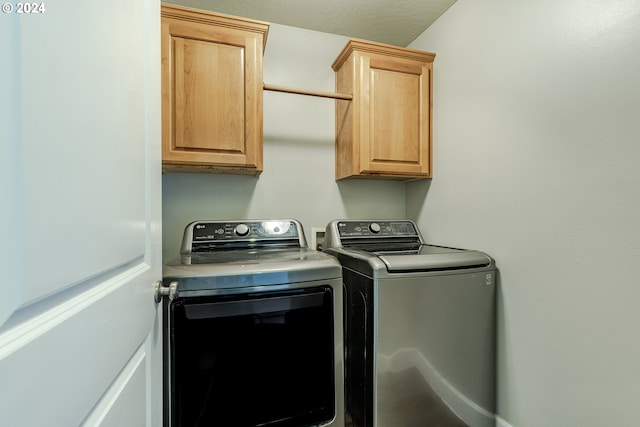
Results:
[419, 327]
[253, 328]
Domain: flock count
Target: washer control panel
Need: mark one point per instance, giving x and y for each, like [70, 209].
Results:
[352, 229]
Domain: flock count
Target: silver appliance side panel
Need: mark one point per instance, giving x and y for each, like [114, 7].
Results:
[435, 350]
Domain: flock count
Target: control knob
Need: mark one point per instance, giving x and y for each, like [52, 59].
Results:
[241, 230]
[374, 227]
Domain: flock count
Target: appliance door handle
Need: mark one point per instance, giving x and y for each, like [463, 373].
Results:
[246, 307]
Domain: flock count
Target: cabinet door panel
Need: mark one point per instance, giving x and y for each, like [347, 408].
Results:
[398, 119]
[206, 122]
[394, 117]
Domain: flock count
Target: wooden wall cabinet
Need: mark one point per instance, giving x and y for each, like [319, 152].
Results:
[385, 131]
[211, 91]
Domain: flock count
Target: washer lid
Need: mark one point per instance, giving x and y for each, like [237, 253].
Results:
[429, 258]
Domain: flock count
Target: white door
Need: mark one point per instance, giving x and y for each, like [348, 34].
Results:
[80, 213]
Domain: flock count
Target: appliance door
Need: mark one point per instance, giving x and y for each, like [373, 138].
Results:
[435, 344]
[262, 359]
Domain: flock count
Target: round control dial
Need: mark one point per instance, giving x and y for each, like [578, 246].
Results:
[374, 227]
[241, 230]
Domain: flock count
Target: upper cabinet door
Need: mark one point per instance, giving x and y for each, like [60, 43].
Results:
[385, 131]
[211, 91]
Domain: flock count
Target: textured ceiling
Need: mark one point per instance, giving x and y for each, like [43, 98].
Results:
[396, 22]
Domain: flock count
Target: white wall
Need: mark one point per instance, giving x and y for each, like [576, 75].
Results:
[537, 143]
[298, 178]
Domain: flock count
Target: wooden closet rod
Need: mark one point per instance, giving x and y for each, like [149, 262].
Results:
[321, 94]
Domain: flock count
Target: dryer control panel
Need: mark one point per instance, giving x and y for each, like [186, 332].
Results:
[202, 236]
